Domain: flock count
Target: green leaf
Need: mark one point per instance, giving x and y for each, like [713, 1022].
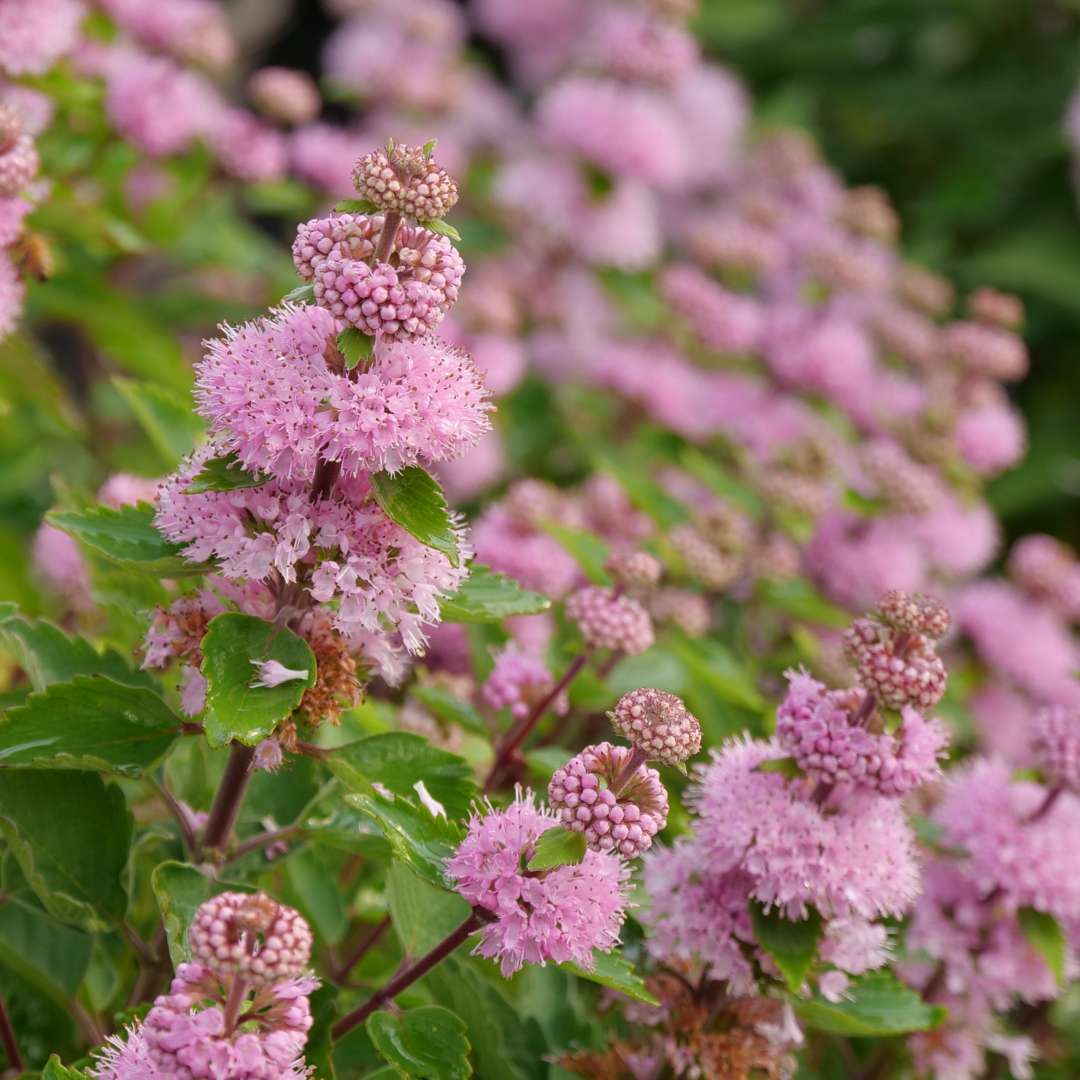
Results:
[557, 846]
[164, 414]
[502, 1043]
[319, 1050]
[421, 913]
[429, 147]
[49, 955]
[792, 945]
[48, 655]
[877, 1004]
[785, 766]
[487, 596]
[799, 598]
[355, 346]
[179, 890]
[437, 225]
[413, 499]
[356, 206]
[56, 1070]
[418, 839]
[449, 708]
[89, 723]
[234, 708]
[1046, 937]
[710, 661]
[721, 481]
[398, 760]
[614, 971]
[428, 1042]
[302, 294]
[224, 474]
[70, 833]
[588, 550]
[126, 536]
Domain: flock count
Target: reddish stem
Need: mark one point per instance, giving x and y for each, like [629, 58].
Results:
[521, 731]
[407, 976]
[230, 794]
[359, 951]
[10, 1042]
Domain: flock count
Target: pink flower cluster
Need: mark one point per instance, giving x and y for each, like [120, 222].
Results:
[555, 915]
[240, 1011]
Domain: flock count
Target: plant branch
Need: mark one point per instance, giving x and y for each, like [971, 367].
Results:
[521, 731]
[177, 811]
[407, 976]
[230, 795]
[10, 1042]
[366, 942]
[265, 840]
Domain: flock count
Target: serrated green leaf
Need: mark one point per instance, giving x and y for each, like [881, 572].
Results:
[791, 944]
[398, 760]
[876, 1005]
[179, 889]
[48, 655]
[504, 1043]
[164, 414]
[785, 766]
[126, 536]
[428, 1042]
[614, 971]
[487, 596]
[557, 846]
[355, 346]
[89, 723]
[1046, 937]
[449, 708]
[71, 834]
[437, 225]
[418, 839]
[224, 474]
[413, 498]
[234, 708]
[356, 206]
[302, 294]
[590, 552]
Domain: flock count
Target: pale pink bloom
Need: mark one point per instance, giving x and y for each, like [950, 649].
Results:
[856, 860]
[626, 130]
[12, 214]
[193, 688]
[126, 489]
[246, 147]
[59, 561]
[518, 681]
[271, 673]
[34, 34]
[556, 915]
[34, 108]
[285, 95]
[323, 155]
[12, 292]
[991, 438]
[194, 31]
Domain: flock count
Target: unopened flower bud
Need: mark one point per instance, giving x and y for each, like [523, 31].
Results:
[607, 621]
[285, 95]
[623, 822]
[658, 724]
[1056, 745]
[250, 936]
[914, 613]
[405, 179]
[639, 570]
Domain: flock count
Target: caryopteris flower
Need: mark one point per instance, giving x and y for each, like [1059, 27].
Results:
[539, 916]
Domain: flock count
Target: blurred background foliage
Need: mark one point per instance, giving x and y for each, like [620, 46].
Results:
[956, 108]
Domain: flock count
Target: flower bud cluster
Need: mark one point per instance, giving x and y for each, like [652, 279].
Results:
[618, 805]
[609, 620]
[251, 937]
[658, 724]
